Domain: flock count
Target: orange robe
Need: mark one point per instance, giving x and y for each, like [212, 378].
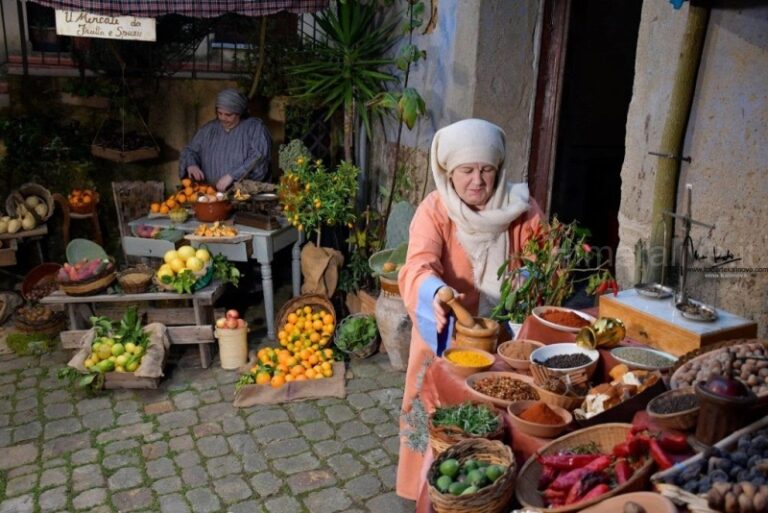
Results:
[435, 257]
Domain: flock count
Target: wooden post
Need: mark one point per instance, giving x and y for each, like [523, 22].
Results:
[668, 169]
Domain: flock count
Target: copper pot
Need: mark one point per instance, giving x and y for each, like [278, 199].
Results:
[211, 211]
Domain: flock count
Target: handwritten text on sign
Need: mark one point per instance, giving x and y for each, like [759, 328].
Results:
[85, 24]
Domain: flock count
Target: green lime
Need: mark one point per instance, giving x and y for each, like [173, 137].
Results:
[469, 490]
[118, 349]
[449, 467]
[443, 483]
[457, 488]
[469, 465]
[476, 477]
[493, 472]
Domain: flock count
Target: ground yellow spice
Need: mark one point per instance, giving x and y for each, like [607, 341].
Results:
[468, 359]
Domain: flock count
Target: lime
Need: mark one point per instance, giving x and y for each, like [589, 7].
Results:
[104, 352]
[95, 347]
[493, 472]
[470, 464]
[443, 482]
[476, 477]
[449, 467]
[130, 347]
[131, 367]
[469, 490]
[121, 360]
[118, 349]
[457, 488]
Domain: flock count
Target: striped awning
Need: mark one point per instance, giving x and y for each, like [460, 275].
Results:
[192, 8]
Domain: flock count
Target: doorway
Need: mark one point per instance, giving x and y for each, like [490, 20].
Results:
[595, 87]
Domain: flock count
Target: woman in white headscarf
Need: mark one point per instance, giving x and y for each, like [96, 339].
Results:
[459, 237]
[231, 147]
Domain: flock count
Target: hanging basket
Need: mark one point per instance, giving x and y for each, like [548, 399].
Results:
[124, 156]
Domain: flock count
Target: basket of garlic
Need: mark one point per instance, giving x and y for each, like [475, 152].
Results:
[32, 199]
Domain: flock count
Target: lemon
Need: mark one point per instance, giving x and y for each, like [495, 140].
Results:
[170, 256]
[165, 267]
[118, 349]
[178, 265]
[164, 272]
[121, 360]
[194, 264]
[138, 350]
[130, 347]
[119, 368]
[131, 367]
[104, 352]
[186, 252]
[203, 254]
[88, 363]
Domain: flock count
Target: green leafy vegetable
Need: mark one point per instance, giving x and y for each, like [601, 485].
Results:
[225, 271]
[356, 332]
[473, 419]
[182, 282]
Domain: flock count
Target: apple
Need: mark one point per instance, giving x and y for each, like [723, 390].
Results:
[232, 324]
[233, 314]
[221, 323]
[726, 387]
[240, 323]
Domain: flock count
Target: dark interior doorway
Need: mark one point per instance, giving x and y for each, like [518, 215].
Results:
[596, 91]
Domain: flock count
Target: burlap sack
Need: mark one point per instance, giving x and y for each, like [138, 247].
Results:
[153, 361]
[320, 269]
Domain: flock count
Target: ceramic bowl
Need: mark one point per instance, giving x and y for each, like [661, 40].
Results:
[517, 353]
[479, 396]
[651, 502]
[534, 428]
[543, 353]
[463, 370]
[211, 211]
[540, 311]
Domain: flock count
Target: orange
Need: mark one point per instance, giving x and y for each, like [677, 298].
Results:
[307, 309]
[87, 199]
[181, 198]
[327, 373]
[318, 324]
[292, 318]
[262, 378]
[210, 190]
[189, 191]
[164, 209]
[155, 208]
[300, 377]
[314, 337]
[277, 381]
[289, 378]
[171, 202]
[310, 373]
[297, 369]
[186, 182]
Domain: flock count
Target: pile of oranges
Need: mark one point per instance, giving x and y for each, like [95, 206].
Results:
[188, 193]
[82, 199]
[303, 354]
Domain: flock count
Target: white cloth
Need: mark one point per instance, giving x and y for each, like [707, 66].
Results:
[484, 234]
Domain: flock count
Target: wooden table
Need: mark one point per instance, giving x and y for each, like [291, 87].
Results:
[262, 248]
[34, 235]
[188, 325]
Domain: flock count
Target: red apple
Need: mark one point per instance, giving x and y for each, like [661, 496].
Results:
[240, 323]
[232, 323]
[221, 323]
[233, 314]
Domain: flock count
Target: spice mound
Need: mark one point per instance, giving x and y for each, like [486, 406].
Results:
[566, 361]
[506, 389]
[468, 359]
[674, 403]
[640, 356]
[540, 413]
[564, 318]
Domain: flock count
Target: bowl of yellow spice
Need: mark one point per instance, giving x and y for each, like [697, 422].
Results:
[465, 361]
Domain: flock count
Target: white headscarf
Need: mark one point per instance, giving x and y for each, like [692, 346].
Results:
[484, 234]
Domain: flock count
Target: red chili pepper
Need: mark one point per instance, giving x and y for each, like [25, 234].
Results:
[659, 456]
[567, 461]
[621, 450]
[638, 427]
[548, 474]
[638, 446]
[623, 471]
[574, 493]
[601, 288]
[596, 492]
[554, 497]
[673, 442]
[567, 480]
[615, 287]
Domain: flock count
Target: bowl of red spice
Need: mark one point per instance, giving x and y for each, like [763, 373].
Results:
[538, 419]
[562, 319]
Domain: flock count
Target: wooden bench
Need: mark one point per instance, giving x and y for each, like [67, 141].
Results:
[186, 325]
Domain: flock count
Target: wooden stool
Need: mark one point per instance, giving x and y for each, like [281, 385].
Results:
[69, 216]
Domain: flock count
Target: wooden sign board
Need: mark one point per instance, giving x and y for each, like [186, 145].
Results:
[657, 323]
[85, 24]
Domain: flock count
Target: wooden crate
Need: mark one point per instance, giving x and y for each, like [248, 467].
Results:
[8, 253]
[656, 323]
[117, 380]
[176, 334]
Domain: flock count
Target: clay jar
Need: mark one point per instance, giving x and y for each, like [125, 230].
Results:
[483, 336]
[720, 416]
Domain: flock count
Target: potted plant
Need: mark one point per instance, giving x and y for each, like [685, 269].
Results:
[357, 335]
[357, 280]
[544, 272]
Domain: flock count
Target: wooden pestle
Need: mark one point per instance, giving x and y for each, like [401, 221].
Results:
[445, 294]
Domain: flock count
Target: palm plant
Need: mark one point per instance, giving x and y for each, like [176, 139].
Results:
[347, 70]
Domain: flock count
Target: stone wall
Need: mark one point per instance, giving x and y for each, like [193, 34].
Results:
[726, 140]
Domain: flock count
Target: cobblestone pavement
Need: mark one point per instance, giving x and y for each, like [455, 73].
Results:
[184, 448]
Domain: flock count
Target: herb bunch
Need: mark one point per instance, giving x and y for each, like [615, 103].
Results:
[473, 419]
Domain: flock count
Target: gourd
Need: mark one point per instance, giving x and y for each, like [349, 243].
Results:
[41, 209]
[14, 225]
[32, 201]
[28, 221]
[3, 226]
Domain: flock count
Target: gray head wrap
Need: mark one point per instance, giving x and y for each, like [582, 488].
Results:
[232, 100]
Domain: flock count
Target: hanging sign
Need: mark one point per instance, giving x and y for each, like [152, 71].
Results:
[85, 24]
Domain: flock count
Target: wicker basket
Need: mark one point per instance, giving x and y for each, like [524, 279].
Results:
[362, 352]
[91, 286]
[204, 278]
[33, 189]
[9, 302]
[85, 209]
[135, 280]
[50, 328]
[566, 402]
[682, 420]
[443, 438]
[314, 301]
[493, 498]
[606, 436]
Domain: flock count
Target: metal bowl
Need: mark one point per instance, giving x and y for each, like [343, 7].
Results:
[266, 196]
[654, 290]
[697, 311]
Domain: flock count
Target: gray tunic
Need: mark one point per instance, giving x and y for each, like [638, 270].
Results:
[244, 152]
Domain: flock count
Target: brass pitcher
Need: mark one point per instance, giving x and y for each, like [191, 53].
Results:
[604, 332]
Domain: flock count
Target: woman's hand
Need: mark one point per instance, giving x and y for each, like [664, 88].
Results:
[224, 183]
[442, 311]
[195, 173]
